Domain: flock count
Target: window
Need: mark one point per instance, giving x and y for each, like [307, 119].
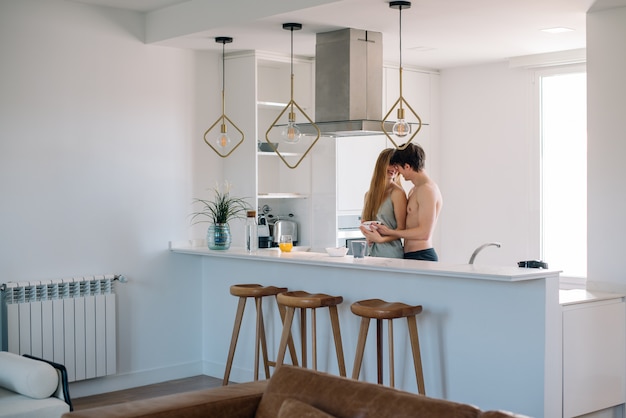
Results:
[563, 127]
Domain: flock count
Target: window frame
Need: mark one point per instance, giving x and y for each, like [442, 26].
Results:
[566, 282]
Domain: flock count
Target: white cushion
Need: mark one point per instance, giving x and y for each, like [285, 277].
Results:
[19, 406]
[32, 378]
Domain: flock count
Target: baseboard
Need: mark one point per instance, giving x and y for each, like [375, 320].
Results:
[123, 381]
[237, 374]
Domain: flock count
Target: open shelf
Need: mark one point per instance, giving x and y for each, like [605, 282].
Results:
[281, 196]
[284, 154]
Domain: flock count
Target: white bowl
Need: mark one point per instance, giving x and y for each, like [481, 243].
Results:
[367, 224]
[337, 251]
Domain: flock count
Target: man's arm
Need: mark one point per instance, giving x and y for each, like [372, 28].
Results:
[426, 197]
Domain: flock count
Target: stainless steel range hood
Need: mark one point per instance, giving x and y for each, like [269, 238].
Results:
[348, 83]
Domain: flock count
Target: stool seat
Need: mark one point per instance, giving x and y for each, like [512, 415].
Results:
[302, 299]
[258, 292]
[255, 290]
[379, 309]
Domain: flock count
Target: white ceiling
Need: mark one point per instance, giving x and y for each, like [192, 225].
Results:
[435, 33]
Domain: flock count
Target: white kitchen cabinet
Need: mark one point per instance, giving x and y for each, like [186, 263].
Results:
[355, 160]
[416, 90]
[594, 351]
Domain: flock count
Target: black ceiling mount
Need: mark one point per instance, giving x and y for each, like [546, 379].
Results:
[292, 26]
[223, 39]
[400, 4]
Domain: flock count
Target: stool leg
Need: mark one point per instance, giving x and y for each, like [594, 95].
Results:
[391, 366]
[233, 341]
[303, 336]
[314, 338]
[290, 344]
[282, 347]
[417, 358]
[260, 336]
[334, 321]
[360, 347]
[379, 350]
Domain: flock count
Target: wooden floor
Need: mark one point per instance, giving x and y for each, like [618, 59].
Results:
[145, 392]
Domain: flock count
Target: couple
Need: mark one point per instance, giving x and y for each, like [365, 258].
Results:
[412, 219]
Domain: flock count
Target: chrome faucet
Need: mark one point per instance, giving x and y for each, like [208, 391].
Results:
[479, 249]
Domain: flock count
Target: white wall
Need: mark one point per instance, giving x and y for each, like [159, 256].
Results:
[98, 133]
[488, 166]
[606, 91]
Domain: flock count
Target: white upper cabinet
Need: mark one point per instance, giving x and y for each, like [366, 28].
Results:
[416, 90]
[356, 158]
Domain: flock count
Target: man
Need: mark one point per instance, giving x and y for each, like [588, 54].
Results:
[423, 207]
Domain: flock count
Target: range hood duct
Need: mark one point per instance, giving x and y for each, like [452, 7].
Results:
[348, 83]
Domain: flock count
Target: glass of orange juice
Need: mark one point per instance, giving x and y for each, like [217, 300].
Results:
[286, 243]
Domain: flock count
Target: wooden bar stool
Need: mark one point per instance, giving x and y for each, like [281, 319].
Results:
[379, 309]
[304, 300]
[258, 292]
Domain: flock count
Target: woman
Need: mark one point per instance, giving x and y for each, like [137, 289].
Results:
[385, 202]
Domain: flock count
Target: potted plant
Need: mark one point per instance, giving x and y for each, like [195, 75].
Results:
[219, 212]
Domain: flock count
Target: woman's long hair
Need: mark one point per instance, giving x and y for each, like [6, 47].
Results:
[378, 186]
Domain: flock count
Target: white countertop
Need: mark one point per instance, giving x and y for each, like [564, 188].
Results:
[470, 271]
[575, 296]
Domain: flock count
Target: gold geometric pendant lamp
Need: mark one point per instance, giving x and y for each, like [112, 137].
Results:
[222, 143]
[401, 128]
[290, 133]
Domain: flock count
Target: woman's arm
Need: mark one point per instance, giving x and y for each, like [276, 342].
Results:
[399, 201]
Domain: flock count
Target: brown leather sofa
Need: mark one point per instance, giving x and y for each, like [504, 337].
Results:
[293, 392]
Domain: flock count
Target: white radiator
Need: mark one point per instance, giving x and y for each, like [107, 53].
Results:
[68, 321]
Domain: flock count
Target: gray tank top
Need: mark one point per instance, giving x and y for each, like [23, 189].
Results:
[391, 249]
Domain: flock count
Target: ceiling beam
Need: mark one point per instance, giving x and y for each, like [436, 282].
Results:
[200, 15]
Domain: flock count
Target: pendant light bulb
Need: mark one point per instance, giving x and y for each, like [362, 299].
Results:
[291, 133]
[401, 128]
[223, 140]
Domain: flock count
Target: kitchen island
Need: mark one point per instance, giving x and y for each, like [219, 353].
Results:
[490, 336]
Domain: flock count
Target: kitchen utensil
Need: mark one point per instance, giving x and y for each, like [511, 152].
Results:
[285, 227]
[266, 147]
[265, 242]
